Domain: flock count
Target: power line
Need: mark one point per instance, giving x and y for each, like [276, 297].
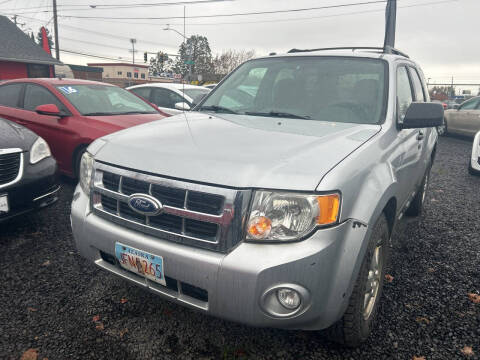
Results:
[115, 6]
[92, 55]
[265, 21]
[118, 37]
[169, 46]
[230, 15]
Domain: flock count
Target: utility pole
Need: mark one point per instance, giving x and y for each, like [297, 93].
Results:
[133, 41]
[55, 25]
[452, 93]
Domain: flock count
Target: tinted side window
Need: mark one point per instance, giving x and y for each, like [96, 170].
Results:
[470, 104]
[144, 92]
[165, 98]
[36, 95]
[10, 94]
[404, 92]
[417, 85]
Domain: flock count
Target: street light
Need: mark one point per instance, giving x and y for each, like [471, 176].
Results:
[178, 32]
[189, 50]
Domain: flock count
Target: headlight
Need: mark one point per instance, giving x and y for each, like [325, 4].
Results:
[282, 216]
[39, 151]
[85, 176]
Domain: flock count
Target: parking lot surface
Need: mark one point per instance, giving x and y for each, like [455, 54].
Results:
[59, 306]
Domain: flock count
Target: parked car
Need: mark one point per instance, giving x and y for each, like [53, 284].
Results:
[444, 104]
[28, 178]
[273, 206]
[474, 164]
[69, 114]
[171, 98]
[451, 104]
[465, 120]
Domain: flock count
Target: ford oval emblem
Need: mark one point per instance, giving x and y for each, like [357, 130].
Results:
[145, 204]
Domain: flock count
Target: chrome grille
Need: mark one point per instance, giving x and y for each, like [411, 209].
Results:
[11, 166]
[196, 215]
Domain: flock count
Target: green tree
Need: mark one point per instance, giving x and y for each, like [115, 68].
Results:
[228, 60]
[40, 38]
[158, 64]
[197, 49]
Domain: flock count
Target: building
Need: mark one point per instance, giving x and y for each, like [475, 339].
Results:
[124, 71]
[20, 56]
[79, 72]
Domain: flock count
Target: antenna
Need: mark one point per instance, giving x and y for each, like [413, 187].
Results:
[390, 26]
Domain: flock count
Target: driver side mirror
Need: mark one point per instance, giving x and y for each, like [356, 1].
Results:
[423, 115]
[182, 106]
[48, 109]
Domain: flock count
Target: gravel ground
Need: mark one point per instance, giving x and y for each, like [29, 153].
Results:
[62, 307]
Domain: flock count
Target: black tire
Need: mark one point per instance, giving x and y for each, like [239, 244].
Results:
[354, 327]
[443, 129]
[418, 202]
[472, 171]
[76, 161]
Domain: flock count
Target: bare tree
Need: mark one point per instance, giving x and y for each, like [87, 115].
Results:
[228, 60]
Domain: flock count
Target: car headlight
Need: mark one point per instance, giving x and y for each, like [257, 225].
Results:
[39, 151]
[86, 168]
[283, 216]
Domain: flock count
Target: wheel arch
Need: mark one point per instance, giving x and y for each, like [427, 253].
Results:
[79, 148]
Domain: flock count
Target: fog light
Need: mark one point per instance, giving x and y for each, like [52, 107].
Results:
[289, 298]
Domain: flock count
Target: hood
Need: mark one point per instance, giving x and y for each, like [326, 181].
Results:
[236, 150]
[126, 121]
[15, 136]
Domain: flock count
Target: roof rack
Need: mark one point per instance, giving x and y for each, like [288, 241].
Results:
[353, 48]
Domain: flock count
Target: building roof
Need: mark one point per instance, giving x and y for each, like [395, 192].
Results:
[17, 46]
[119, 64]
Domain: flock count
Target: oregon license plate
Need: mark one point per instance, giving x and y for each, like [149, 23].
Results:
[4, 204]
[141, 262]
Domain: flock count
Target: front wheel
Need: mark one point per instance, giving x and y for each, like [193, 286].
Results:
[472, 171]
[442, 130]
[357, 322]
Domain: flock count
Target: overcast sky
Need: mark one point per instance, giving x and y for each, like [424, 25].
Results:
[442, 35]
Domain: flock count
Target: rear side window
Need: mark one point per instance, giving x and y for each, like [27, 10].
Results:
[166, 98]
[144, 92]
[404, 92]
[36, 95]
[10, 94]
[417, 85]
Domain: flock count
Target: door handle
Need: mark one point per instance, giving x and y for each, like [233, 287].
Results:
[420, 135]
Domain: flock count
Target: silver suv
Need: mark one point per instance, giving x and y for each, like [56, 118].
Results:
[273, 202]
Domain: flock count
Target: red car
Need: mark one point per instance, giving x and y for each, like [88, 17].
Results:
[69, 114]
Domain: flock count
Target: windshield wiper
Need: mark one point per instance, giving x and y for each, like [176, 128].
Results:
[98, 114]
[280, 114]
[135, 112]
[216, 108]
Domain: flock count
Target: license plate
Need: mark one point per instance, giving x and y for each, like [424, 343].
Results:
[141, 262]
[4, 204]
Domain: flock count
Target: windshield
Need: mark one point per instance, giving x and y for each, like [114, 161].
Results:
[104, 100]
[196, 94]
[337, 89]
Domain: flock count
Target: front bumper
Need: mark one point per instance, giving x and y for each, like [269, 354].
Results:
[37, 189]
[233, 286]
